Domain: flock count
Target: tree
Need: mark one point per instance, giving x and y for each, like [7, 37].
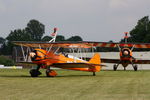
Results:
[33, 32]
[35, 29]
[2, 40]
[6, 48]
[18, 35]
[141, 32]
[46, 38]
[6, 61]
[60, 38]
[75, 38]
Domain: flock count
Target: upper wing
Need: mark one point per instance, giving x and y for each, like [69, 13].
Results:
[54, 44]
[80, 44]
[112, 45]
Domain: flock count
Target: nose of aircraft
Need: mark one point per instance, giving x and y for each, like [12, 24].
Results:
[37, 54]
[32, 54]
[125, 52]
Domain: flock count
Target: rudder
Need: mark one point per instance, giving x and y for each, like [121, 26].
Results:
[95, 60]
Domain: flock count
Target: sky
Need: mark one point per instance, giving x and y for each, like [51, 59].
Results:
[93, 20]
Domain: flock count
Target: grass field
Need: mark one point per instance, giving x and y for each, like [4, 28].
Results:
[17, 84]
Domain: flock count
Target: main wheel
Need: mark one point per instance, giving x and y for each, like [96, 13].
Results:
[124, 68]
[135, 67]
[115, 67]
[50, 73]
[94, 74]
[34, 72]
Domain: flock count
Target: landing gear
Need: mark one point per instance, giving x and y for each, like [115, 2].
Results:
[124, 68]
[35, 73]
[115, 67]
[50, 73]
[135, 67]
[94, 74]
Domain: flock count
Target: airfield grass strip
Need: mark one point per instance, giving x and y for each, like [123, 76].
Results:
[16, 84]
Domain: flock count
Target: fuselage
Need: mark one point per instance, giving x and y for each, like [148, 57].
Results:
[45, 58]
[125, 56]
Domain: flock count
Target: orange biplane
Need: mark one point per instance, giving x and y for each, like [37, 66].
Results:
[46, 55]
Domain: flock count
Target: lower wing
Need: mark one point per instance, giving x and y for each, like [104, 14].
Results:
[142, 61]
[75, 65]
[136, 61]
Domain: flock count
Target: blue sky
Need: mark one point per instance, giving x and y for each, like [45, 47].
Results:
[94, 20]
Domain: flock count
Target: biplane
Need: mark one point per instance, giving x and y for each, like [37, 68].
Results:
[126, 55]
[46, 55]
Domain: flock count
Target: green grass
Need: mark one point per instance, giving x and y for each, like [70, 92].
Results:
[17, 84]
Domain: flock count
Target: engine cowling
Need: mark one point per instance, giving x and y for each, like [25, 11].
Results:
[37, 54]
[125, 53]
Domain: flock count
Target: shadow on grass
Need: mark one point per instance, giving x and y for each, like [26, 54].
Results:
[74, 76]
[14, 76]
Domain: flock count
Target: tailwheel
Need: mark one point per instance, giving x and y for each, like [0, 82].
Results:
[135, 67]
[35, 73]
[115, 67]
[50, 73]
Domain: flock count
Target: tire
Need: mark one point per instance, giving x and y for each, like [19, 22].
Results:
[115, 67]
[47, 73]
[50, 73]
[135, 68]
[94, 74]
[34, 73]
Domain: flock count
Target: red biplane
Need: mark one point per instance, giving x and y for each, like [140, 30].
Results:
[126, 56]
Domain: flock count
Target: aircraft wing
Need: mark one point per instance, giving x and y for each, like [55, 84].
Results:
[137, 61]
[65, 44]
[75, 65]
[142, 61]
[103, 60]
[113, 45]
[80, 44]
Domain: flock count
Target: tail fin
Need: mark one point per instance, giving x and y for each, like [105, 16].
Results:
[95, 60]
